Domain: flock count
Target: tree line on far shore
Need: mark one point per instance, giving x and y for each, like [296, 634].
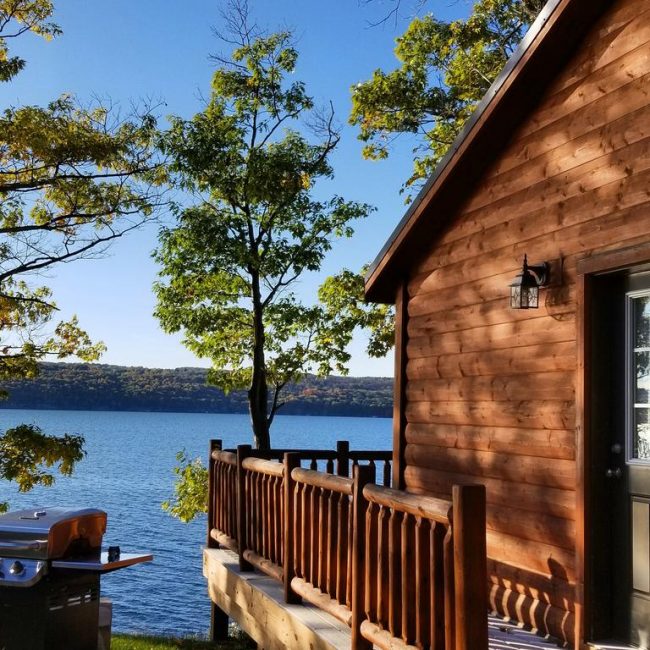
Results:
[100, 387]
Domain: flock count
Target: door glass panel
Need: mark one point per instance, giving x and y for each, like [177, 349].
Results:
[642, 386]
[639, 378]
[642, 322]
[641, 434]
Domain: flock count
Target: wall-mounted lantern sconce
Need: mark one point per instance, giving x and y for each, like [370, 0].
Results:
[524, 291]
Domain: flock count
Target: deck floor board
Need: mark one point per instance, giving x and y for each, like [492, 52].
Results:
[324, 631]
[505, 635]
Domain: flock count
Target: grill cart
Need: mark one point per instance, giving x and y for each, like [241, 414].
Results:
[50, 566]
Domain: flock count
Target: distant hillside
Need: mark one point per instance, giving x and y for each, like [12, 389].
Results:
[96, 387]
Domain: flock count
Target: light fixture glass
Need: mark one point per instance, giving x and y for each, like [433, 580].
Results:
[524, 290]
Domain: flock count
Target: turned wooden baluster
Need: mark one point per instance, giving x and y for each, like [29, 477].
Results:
[408, 567]
[323, 507]
[437, 537]
[254, 507]
[306, 531]
[449, 584]
[382, 565]
[313, 535]
[423, 568]
[332, 534]
[343, 508]
[373, 562]
[279, 520]
[394, 573]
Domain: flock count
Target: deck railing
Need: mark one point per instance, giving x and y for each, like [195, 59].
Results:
[222, 510]
[402, 570]
[322, 540]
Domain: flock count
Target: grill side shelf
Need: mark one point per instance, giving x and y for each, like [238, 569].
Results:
[101, 564]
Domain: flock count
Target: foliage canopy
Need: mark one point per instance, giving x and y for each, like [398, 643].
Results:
[444, 69]
[72, 179]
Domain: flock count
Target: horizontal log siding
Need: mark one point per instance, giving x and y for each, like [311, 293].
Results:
[490, 391]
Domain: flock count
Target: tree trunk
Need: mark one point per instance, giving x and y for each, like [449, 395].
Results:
[258, 392]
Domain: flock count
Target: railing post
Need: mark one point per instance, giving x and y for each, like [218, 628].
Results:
[218, 618]
[243, 451]
[470, 567]
[362, 476]
[343, 458]
[214, 445]
[291, 461]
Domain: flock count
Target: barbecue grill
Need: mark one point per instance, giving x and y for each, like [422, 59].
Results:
[50, 566]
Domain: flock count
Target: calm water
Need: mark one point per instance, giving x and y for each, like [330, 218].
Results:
[128, 473]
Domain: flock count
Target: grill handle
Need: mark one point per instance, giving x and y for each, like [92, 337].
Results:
[35, 545]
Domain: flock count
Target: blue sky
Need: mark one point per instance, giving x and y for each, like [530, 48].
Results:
[134, 50]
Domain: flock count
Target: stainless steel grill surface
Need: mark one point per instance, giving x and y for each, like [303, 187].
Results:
[51, 533]
[50, 563]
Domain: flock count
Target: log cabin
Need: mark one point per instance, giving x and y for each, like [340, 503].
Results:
[547, 407]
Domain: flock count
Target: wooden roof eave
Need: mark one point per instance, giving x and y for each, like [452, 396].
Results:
[554, 35]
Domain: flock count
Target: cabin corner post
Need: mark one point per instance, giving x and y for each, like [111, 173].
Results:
[362, 476]
[243, 451]
[291, 461]
[215, 445]
[470, 567]
[399, 400]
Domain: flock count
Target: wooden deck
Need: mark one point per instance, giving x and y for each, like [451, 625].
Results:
[256, 602]
[399, 570]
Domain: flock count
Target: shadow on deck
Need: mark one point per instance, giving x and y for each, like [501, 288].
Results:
[256, 602]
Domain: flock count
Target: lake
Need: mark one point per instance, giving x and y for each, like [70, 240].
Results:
[128, 473]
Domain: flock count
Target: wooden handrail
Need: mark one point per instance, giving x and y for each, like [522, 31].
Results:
[324, 481]
[438, 510]
[228, 457]
[261, 466]
[405, 570]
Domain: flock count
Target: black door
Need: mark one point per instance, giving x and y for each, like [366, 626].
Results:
[619, 456]
[637, 454]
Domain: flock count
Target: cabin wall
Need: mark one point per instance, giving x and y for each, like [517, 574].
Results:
[489, 391]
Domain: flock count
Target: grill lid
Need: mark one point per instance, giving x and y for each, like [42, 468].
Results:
[50, 533]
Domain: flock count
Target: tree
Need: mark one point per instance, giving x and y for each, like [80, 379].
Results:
[230, 264]
[72, 179]
[444, 70]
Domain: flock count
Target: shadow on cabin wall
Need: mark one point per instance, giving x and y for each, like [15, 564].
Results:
[542, 603]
